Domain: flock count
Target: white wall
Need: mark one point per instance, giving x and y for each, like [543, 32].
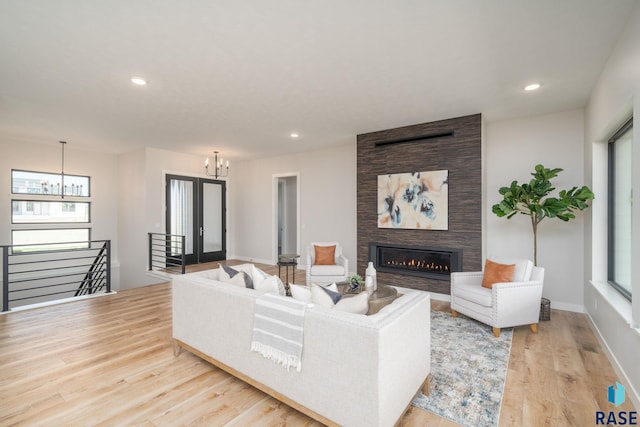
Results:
[327, 182]
[615, 97]
[142, 210]
[101, 167]
[514, 147]
[158, 164]
[131, 220]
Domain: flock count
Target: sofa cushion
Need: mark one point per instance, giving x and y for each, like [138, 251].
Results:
[322, 296]
[235, 277]
[496, 273]
[334, 295]
[240, 280]
[262, 281]
[474, 293]
[325, 255]
[271, 285]
[357, 304]
[300, 292]
[256, 274]
[327, 270]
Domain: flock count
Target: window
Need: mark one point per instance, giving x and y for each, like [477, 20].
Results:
[69, 207]
[619, 218]
[49, 184]
[52, 223]
[50, 239]
[45, 211]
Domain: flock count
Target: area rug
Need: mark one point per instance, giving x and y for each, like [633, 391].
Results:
[468, 370]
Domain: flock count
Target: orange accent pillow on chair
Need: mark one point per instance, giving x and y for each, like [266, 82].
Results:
[325, 255]
[497, 273]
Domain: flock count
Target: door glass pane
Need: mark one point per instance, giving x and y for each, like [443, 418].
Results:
[212, 217]
[181, 221]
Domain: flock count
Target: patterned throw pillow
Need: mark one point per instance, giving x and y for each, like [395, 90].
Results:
[235, 277]
[333, 294]
[323, 296]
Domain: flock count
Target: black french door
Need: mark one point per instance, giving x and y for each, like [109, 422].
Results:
[195, 208]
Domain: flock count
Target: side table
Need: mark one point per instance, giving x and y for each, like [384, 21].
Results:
[286, 261]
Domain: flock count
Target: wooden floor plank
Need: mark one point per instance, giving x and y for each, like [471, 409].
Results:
[109, 361]
[513, 400]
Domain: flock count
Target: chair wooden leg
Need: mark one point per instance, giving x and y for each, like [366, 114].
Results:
[496, 332]
[534, 328]
[454, 313]
[177, 349]
[425, 387]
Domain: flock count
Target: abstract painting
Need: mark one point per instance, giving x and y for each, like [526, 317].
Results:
[416, 200]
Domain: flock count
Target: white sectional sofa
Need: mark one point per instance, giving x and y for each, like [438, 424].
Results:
[357, 370]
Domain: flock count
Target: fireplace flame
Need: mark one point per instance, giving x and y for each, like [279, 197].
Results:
[419, 265]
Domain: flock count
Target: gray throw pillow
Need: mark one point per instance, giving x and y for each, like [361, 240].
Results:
[335, 296]
[230, 273]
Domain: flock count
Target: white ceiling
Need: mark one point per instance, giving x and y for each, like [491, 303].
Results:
[240, 76]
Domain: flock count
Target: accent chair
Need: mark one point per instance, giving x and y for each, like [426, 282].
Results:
[506, 303]
[326, 263]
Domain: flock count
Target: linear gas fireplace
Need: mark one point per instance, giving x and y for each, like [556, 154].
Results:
[434, 263]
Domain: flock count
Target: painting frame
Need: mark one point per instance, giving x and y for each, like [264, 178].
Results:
[414, 200]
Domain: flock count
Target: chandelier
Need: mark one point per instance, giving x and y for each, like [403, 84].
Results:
[218, 171]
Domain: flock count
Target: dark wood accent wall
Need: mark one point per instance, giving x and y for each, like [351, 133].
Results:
[424, 147]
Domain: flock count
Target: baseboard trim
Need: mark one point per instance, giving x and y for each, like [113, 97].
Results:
[567, 307]
[631, 392]
[251, 260]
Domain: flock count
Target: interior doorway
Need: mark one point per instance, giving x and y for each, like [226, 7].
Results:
[286, 202]
[195, 208]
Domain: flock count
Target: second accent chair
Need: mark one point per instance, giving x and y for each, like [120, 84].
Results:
[506, 294]
[326, 263]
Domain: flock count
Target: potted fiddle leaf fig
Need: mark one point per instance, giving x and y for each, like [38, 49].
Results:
[534, 199]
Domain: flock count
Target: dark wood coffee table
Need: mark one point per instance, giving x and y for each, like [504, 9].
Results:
[381, 297]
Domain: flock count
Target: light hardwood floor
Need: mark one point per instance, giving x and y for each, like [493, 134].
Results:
[109, 361]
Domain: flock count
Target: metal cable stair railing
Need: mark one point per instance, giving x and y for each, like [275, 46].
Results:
[95, 279]
[39, 273]
[166, 253]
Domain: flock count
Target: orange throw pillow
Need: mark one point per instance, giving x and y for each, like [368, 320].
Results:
[497, 273]
[325, 255]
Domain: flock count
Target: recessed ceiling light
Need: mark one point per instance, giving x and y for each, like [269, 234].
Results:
[138, 81]
[294, 135]
[532, 86]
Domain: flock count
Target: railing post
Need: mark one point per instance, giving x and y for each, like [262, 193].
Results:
[108, 244]
[5, 278]
[184, 257]
[150, 255]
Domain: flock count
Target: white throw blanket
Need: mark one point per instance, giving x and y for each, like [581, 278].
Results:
[277, 329]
